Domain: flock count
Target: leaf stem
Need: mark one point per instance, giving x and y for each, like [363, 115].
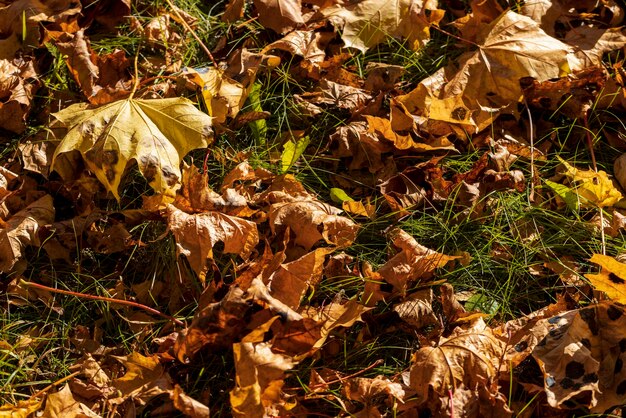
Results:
[104, 299]
[51, 385]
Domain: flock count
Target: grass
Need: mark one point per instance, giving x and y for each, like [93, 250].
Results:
[508, 242]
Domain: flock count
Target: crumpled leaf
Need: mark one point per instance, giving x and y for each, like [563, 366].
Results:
[367, 23]
[312, 221]
[35, 12]
[279, 15]
[586, 188]
[187, 405]
[259, 375]
[144, 379]
[155, 133]
[101, 78]
[412, 262]
[15, 94]
[307, 44]
[291, 280]
[468, 358]
[197, 234]
[22, 409]
[62, 404]
[509, 48]
[582, 357]
[417, 310]
[21, 230]
[371, 392]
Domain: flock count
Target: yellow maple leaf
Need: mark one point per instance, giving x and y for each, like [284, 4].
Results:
[156, 133]
[611, 279]
[592, 188]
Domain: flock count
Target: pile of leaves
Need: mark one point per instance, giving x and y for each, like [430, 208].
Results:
[214, 209]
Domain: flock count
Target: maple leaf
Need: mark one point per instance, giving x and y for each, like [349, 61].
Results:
[62, 404]
[366, 23]
[101, 78]
[155, 133]
[19, 22]
[21, 230]
[509, 48]
[259, 375]
[23, 409]
[611, 279]
[16, 94]
[468, 358]
[413, 261]
[291, 280]
[586, 188]
[581, 356]
[144, 379]
[196, 235]
[187, 405]
[279, 15]
[312, 221]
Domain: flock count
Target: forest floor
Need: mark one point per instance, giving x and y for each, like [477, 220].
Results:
[312, 208]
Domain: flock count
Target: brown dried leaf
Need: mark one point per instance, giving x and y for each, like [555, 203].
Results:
[102, 79]
[312, 221]
[292, 280]
[21, 230]
[259, 376]
[196, 235]
[582, 358]
[63, 405]
[412, 262]
[15, 93]
[187, 405]
[144, 379]
[468, 358]
[417, 310]
[369, 22]
[307, 44]
[279, 15]
[23, 409]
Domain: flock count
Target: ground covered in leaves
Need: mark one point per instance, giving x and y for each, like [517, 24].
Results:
[364, 208]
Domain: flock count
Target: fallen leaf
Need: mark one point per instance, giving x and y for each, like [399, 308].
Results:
[312, 221]
[592, 43]
[279, 15]
[20, 20]
[23, 409]
[63, 405]
[144, 379]
[16, 93]
[581, 357]
[467, 358]
[197, 234]
[412, 262]
[369, 22]
[21, 230]
[290, 281]
[307, 44]
[155, 133]
[611, 279]
[102, 78]
[187, 405]
[586, 188]
[417, 310]
[259, 376]
[509, 48]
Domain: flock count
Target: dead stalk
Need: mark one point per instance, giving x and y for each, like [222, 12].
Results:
[104, 299]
